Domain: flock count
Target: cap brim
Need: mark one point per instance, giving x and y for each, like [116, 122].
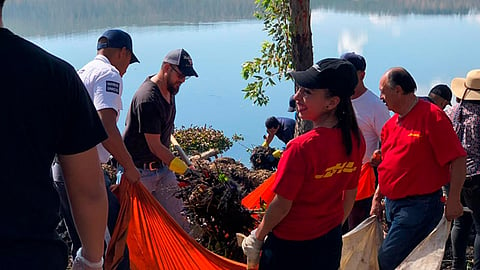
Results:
[189, 71]
[305, 78]
[134, 59]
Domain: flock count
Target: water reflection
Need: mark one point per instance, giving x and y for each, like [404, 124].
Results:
[53, 17]
[434, 48]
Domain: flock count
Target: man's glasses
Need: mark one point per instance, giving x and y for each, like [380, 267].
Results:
[179, 73]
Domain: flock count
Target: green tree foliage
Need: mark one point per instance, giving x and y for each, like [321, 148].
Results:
[276, 55]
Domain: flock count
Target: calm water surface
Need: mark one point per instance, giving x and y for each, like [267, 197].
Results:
[434, 48]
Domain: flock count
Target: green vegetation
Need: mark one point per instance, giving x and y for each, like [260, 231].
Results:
[276, 59]
[196, 140]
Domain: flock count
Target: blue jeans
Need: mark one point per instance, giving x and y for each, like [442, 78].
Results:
[409, 220]
[323, 252]
[163, 185]
[462, 226]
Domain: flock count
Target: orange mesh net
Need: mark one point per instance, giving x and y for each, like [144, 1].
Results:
[155, 240]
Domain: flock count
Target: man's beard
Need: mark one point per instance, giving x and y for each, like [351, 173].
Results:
[172, 89]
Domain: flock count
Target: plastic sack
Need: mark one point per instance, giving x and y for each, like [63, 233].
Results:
[360, 246]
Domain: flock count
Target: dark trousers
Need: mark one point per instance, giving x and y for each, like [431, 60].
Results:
[321, 253]
[113, 210]
[462, 226]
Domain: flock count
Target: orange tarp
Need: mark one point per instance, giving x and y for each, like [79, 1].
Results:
[155, 240]
[366, 183]
[262, 194]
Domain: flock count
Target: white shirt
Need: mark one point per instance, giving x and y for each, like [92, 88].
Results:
[371, 116]
[105, 87]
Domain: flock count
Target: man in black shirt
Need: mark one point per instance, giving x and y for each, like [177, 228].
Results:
[149, 125]
[46, 111]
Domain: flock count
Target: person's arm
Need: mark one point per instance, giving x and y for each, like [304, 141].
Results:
[88, 200]
[377, 206]
[115, 146]
[276, 211]
[158, 149]
[453, 207]
[163, 153]
[348, 201]
[271, 134]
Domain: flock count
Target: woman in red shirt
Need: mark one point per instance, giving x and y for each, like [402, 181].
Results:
[317, 176]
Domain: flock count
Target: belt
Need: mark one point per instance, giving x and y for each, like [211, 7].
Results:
[152, 166]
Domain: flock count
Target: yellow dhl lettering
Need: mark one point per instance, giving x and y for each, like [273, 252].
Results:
[415, 134]
[346, 167]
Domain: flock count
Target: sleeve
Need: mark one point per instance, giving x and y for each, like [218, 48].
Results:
[291, 172]
[107, 92]
[81, 127]
[441, 135]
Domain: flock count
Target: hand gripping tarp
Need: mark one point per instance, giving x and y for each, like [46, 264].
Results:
[360, 248]
[155, 240]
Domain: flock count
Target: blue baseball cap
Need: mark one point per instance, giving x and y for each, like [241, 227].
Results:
[117, 38]
[357, 60]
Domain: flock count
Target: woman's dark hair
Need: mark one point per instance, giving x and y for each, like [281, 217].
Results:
[347, 121]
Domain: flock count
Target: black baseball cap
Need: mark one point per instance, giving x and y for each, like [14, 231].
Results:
[338, 75]
[117, 38]
[443, 91]
[182, 59]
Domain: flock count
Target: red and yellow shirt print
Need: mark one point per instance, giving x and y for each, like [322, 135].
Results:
[417, 150]
[313, 172]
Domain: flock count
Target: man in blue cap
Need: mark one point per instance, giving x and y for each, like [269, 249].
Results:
[102, 78]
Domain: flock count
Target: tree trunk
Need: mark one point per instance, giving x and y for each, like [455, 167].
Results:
[302, 47]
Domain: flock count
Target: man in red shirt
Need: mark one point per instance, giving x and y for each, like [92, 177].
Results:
[421, 153]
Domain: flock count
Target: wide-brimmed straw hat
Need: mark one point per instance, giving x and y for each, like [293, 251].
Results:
[467, 88]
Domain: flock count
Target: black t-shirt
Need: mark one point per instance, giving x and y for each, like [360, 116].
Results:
[149, 113]
[45, 110]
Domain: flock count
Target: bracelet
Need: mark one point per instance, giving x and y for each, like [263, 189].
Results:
[86, 262]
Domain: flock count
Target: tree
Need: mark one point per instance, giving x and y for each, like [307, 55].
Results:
[287, 22]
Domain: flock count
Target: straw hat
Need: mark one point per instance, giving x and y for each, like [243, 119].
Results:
[467, 88]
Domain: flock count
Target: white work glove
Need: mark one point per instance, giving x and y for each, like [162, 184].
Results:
[251, 247]
[81, 263]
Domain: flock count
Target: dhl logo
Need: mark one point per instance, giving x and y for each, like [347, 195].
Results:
[346, 167]
[415, 134]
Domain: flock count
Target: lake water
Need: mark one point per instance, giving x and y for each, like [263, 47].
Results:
[434, 48]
